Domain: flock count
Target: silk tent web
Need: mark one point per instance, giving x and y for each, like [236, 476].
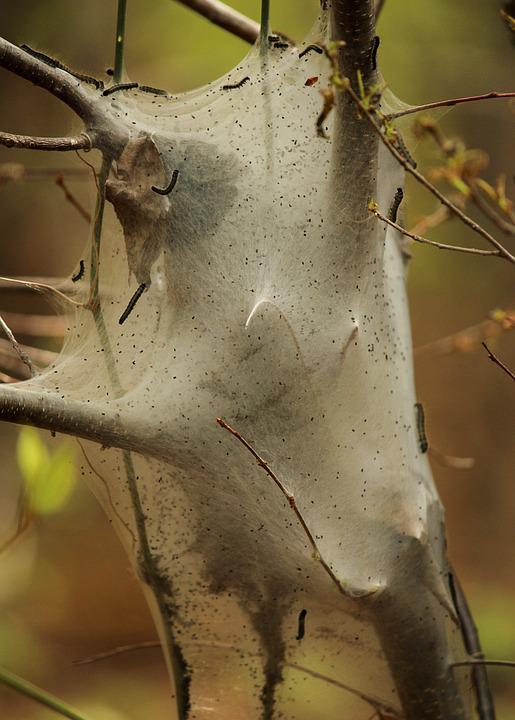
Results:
[267, 305]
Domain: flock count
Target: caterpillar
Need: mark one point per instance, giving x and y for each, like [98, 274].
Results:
[401, 147]
[421, 430]
[281, 45]
[373, 51]
[121, 86]
[153, 90]
[168, 189]
[132, 302]
[394, 207]
[52, 62]
[80, 273]
[236, 85]
[302, 625]
[311, 48]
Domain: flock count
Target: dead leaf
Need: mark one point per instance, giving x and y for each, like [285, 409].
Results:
[141, 212]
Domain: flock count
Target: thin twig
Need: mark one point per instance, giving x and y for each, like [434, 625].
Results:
[503, 252]
[121, 650]
[225, 17]
[481, 661]
[449, 103]
[49, 326]
[18, 348]
[426, 241]
[60, 182]
[60, 144]
[56, 81]
[496, 360]
[484, 700]
[482, 203]
[378, 705]
[11, 362]
[40, 696]
[291, 501]
[38, 286]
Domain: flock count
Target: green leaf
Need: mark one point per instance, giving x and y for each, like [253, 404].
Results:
[54, 487]
[32, 454]
[49, 479]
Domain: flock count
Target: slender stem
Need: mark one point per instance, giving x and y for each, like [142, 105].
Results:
[70, 197]
[40, 696]
[61, 144]
[97, 230]
[22, 284]
[225, 17]
[426, 241]
[120, 41]
[482, 203]
[498, 362]
[423, 180]
[18, 348]
[481, 661]
[264, 29]
[150, 570]
[293, 505]
[449, 103]
[378, 705]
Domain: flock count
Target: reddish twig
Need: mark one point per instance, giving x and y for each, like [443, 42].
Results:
[449, 103]
[426, 241]
[292, 503]
[72, 199]
[498, 362]
[503, 252]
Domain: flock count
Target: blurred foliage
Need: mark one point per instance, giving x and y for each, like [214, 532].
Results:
[49, 478]
[65, 589]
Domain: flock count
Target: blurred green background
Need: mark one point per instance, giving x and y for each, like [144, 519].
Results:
[66, 590]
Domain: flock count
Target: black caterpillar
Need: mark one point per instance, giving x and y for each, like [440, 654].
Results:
[52, 62]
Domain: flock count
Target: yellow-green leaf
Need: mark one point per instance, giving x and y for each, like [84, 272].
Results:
[56, 484]
[32, 454]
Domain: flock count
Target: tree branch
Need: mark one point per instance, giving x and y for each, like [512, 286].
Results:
[71, 417]
[225, 17]
[498, 362]
[423, 180]
[18, 348]
[78, 92]
[57, 81]
[28, 142]
[426, 241]
[448, 103]
[347, 592]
